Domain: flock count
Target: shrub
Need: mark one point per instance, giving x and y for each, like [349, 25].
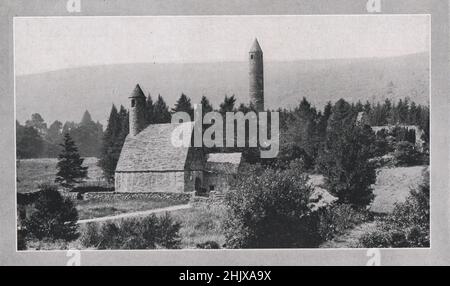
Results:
[52, 216]
[406, 154]
[136, 233]
[270, 209]
[407, 226]
[90, 235]
[167, 234]
[210, 244]
[335, 219]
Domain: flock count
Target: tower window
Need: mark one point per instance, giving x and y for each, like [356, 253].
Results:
[133, 103]
[251, 57]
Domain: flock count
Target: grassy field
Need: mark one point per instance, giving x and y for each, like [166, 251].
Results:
[32, 172]
[393, 185]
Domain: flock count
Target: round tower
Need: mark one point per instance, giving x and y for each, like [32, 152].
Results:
[137, 111]
[256, 76]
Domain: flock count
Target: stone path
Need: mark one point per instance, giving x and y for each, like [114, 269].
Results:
[135, 214]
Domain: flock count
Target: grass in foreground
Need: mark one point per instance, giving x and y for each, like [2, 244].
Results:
[201, 224]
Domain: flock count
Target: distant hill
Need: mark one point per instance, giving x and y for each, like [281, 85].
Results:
[65, 94]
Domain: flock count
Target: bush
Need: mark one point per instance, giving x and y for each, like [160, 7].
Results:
[21, 239]
[137, 233]
[337, 218]
[210, 244]
[406, 154]
[52, 216]
[90, 236]
[270, 209]
[407, 226]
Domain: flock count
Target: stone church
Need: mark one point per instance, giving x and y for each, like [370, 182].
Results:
[150, 163]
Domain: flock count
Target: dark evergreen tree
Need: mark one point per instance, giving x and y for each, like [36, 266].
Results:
[38, 123]
[183, 104]
[161, 111]
[70, 164]
[344, 160]
[227, 105]
[109, 153]
[206, 105]
[149, 114]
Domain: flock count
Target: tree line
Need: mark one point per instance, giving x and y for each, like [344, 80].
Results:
[35, 140]
[303, 129]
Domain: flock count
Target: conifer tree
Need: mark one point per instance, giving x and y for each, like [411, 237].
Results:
[149, 110]
[70, 169]
[161, 111]
[109, 154]
[183, 104]
[228, 104]
[206, 105]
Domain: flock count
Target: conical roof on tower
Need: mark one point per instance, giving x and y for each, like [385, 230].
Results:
[255, 47]
[137, 92]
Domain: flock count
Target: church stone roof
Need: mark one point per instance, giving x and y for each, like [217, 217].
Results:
[227, 163]
[255, 47]
[152, 149]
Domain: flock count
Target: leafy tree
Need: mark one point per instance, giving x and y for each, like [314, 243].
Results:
[29, 143]
[270, 209]
[52, 216]
[70, 169]
[88, 136]
[344, 160]
[38, 123]
[161, 111]
[406, 154]
[54, 133]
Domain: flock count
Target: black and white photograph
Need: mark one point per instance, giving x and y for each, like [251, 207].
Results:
[222, 132]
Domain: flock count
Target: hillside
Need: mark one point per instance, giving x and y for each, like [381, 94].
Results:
[96, 88]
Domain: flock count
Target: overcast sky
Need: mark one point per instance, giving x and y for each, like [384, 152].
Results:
[44, 44]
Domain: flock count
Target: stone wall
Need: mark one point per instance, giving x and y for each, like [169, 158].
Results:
[107, 196]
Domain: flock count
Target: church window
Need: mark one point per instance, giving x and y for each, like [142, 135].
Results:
[251, 57]
[133, 103]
